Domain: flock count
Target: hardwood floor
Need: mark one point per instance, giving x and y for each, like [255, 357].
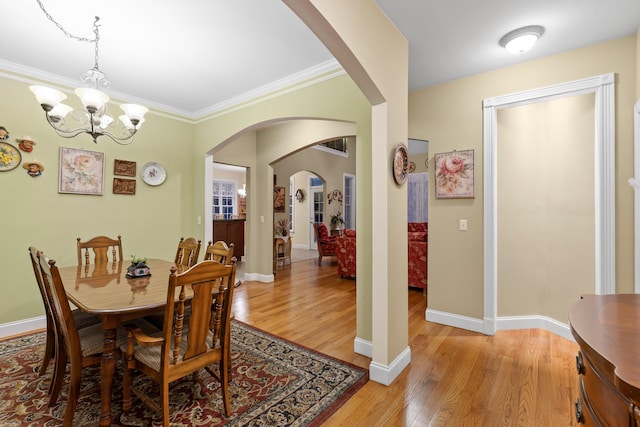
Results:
[456, 377]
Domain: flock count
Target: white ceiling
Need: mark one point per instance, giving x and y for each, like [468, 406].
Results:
[197, 56]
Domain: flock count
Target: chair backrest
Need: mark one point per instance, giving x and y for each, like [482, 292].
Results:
[321, 231]
[100, 246]
[33, 254]
[219, 251]
[188, 251]
[202, 343]
[60, 308]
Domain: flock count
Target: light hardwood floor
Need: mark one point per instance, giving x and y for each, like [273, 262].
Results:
[456, 377]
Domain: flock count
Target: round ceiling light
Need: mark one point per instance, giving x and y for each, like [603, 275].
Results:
[521, 39]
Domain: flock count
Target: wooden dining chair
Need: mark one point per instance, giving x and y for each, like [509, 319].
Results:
[187, 344]
[80, 347]
[100, 246]
[188, 251]
[81, 318]
[219, 251]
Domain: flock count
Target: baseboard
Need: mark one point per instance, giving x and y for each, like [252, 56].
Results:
[22, 326]
[502, 323]
[387, 374]
[257, 277]
[363, 347]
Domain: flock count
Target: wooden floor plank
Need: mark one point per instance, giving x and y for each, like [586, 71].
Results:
[456, 377]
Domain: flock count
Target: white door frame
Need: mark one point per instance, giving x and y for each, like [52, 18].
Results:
[604, 88]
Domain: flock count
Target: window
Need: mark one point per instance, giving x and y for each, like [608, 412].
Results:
[224, 199]
[349, 201]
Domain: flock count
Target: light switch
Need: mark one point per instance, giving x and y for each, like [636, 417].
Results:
[463, 225]
[199, 220]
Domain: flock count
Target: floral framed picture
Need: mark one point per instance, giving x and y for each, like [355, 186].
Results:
[81, 172]
[454, 175]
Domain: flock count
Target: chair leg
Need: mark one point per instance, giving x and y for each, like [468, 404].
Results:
[164, 401]
[59, 368]
[49, 350]
[126, 386]
[224, 385]
[319, 258]
[74, 393]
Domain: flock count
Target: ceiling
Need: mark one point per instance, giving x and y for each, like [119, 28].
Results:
[196, 59]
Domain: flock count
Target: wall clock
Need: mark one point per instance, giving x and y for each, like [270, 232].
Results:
[401, 164]
[153, 173]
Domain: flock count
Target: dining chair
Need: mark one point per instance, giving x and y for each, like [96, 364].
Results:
[187, 344]
[81, 318]
[188, 251]
[100, 245]
[80, 347]
[219, 251]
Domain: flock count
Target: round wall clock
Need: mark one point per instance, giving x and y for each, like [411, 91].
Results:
[153, 173]
[401, 164]
[10, 157]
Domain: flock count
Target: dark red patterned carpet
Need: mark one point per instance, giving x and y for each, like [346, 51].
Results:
[274, 383]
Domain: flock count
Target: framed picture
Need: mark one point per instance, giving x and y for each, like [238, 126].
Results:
[454, 175]
[278, 199]
[81, 172]
[10, 157]
[124, 186]
[124, 168]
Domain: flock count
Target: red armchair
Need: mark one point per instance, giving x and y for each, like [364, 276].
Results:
[326, 244]
[346, 253]
[418, 238]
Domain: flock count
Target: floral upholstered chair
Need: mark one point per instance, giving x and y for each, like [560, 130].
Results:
[326, 244]
[417, 263]
[346, 253]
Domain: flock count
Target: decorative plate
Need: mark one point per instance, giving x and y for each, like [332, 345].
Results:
[10, 157]
[153, 173]
[401, 164]
[412, 167]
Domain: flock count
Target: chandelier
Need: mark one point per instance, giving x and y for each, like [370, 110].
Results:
[94, 120]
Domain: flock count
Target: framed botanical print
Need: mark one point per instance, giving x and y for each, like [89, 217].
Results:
[454, 175]
[81, 172]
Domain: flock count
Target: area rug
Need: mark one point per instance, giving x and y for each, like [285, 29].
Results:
[274, 382]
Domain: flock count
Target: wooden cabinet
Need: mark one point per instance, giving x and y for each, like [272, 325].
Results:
[607, 328]
[230, 231]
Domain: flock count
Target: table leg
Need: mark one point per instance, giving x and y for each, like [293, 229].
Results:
[107, 368]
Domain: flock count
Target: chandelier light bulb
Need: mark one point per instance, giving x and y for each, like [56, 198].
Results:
[47, 96]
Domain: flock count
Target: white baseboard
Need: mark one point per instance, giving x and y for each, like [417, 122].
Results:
[257, 277]
[502, 323]
[387, 374]
[363, 347]
[22, 326]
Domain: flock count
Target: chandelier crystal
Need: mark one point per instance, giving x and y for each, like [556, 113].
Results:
[94, 120]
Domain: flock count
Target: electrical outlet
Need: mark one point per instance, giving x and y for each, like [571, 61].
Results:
[462, 225]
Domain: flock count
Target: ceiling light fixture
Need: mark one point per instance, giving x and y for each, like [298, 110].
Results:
[521, 39]
[94, 119]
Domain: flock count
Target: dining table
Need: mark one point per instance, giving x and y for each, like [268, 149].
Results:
[105, 290]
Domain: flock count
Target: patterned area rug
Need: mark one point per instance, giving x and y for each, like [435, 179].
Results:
[273, 383]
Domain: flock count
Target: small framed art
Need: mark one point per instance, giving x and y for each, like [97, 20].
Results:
[124, 186]
[454, 175]
[124, 168]
[81, 172]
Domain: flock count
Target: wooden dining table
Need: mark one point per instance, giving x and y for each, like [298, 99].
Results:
[105, 291]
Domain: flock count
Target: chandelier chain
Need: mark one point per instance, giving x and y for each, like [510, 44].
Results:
[96, 31]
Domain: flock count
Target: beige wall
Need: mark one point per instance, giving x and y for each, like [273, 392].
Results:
[546, 210]
[450, 117]
[33, 212]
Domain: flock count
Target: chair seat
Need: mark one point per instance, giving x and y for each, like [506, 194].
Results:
[92, 337]
[84, 320]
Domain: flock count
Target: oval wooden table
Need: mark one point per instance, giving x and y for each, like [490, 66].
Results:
[607, 328]
[105, 291]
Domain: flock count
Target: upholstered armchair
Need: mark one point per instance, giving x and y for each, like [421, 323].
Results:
[346, 253]
[326, 244]
[417, 263]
